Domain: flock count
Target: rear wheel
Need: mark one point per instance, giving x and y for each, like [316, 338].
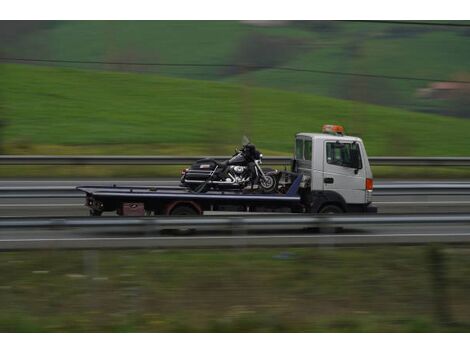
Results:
[183, 210]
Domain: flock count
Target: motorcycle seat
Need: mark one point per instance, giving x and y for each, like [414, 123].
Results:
[221, 163]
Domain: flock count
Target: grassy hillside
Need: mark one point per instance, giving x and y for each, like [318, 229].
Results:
[58, 106]
[387, 49]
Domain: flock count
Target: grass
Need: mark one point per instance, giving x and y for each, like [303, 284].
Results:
[376, 289]
[57, 106]
[439, 52]
[70, 111]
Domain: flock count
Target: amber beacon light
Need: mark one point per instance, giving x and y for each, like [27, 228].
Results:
[333, 129]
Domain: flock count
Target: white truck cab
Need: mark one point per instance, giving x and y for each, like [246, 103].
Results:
[336, 171]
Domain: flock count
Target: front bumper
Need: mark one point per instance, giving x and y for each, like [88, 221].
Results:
[371, 209]
[361, 208]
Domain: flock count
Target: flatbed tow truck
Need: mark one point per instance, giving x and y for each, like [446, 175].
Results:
[330, 174]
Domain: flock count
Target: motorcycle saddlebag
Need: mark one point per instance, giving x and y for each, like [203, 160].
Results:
[201, 169]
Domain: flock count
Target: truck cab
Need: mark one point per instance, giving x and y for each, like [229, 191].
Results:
[335, 170]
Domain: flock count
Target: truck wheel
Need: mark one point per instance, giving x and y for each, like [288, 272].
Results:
[331, 209]
[184, 210]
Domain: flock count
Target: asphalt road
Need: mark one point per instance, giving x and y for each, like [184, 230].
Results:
[407, 201]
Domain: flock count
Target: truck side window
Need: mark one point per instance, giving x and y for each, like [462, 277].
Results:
[308, 150]
[340, 153]
[299, 149]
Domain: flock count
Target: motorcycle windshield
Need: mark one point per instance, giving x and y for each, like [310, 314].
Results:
[245, 140]
[237, 159]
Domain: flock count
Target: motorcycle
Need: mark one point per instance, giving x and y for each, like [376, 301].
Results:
[237, 173]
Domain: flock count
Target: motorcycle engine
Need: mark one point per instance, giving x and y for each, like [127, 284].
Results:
[238, 169]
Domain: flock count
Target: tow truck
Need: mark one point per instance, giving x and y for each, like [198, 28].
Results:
[329, 174]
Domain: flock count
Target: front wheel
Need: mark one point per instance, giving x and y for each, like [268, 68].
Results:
[268, 184]
[331, 210]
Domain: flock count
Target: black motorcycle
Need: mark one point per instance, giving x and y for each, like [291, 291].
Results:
[241, 171]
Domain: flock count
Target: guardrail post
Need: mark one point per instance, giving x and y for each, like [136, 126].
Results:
[439, 284]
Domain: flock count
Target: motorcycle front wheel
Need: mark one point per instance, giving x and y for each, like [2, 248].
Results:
[268, 184]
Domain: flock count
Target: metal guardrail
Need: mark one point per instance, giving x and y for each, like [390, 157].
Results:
[238, 222]
[223, 232]
[183, 160]
[227, 241]
[419, 161]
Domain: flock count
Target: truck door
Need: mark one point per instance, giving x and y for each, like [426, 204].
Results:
[339, 175]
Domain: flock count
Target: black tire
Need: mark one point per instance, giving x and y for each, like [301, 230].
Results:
[94, 212]
[269, 184]
[184, 210]
[331, 210]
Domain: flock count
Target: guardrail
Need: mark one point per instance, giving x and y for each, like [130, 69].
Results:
[238, 222]
[183, 160]
[221, 231]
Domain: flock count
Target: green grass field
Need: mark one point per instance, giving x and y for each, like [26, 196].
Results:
[69, 111]
[57, 106]
[385, 49]
[375, 289]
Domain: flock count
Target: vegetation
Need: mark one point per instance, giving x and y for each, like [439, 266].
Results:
[381, 289]
[50, 110]
[61, 106]
[383, 49]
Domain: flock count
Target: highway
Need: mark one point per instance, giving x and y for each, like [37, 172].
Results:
[389, 196]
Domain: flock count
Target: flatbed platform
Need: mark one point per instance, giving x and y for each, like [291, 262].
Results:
[164, 200]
